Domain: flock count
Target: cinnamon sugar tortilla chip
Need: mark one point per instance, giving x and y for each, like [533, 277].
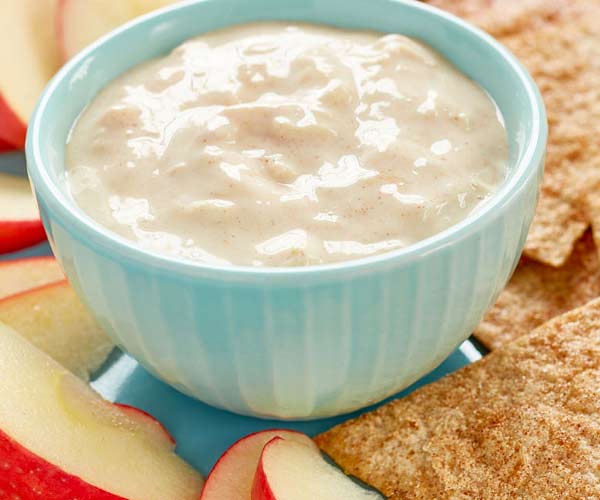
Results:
[501, 17]
[522, 423]
[537, 293]
[559, 42]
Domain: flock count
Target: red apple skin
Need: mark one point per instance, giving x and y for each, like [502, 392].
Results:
[26, 476]
[127, 408]
[16, 235]
[212, 489]
[260, 487]
[5, 146]
[12, 129]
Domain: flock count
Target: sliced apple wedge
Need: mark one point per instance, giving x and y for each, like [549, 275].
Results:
[5, 146]
[289, 470]
[55, 321]
[20, 224]
[60, 440]
[231, 477]
[28, 58]
[12, 127]
[153, 427]
[23, 274]
[80, 22]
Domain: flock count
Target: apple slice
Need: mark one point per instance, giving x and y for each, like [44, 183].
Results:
[28, 60]
[5, 146]
[231, 477]
[59, 440]
[80, 22]
[12, 128]
[20, 224]
[289, 470]
[23, 274]
[152, 426]
[55, 321]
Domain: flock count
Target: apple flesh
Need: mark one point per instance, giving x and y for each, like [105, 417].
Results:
[231, 477]
[80, 22]
[16, 276]
[55, 321]
[28, 60]
[288, 470]
[59, 440]
[20, 224]
[16, 479]
[153, 427]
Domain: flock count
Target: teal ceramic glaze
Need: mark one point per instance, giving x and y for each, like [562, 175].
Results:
[300, 342]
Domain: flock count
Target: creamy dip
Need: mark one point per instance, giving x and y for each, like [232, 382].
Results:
[275, 145]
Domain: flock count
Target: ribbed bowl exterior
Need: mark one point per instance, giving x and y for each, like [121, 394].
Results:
[300, 343]
[309, 350]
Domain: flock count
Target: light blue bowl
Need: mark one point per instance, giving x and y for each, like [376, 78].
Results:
[292, 342]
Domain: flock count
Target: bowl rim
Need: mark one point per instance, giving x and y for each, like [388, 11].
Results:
[115, 245]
